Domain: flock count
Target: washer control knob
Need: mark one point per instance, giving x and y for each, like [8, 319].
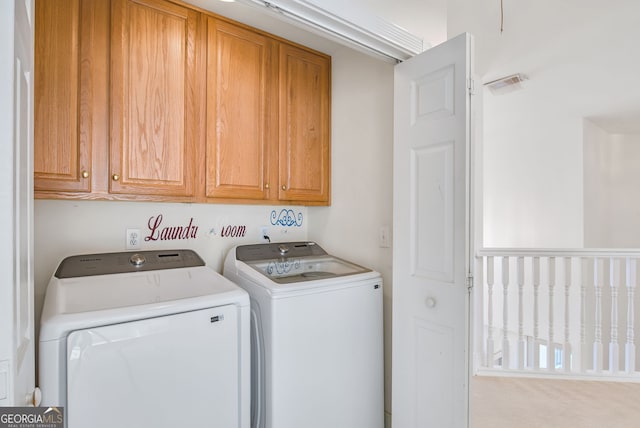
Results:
[283, 249]
[137, 260]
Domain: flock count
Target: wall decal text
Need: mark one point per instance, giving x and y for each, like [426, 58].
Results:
[233, 231]
[169, 233]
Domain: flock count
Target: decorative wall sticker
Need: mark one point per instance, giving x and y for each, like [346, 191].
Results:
[233, 231]
[286, 217]
[169, 233]
[282, 267]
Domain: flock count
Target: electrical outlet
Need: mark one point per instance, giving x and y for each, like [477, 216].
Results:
[264, 233]
[133, 239]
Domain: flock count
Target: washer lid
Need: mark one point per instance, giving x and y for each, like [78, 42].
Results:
[290, 262]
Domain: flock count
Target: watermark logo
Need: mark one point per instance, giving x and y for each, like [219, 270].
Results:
[31, 417]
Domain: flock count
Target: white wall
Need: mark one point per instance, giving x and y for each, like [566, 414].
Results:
[576, 54]
[532, 172]
[362, 160]
[65, 228]
[611, 191]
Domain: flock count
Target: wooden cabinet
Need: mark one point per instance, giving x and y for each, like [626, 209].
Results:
[62, 152]
[241, 102]
[153, 98]
[304, 124]
[268, 121]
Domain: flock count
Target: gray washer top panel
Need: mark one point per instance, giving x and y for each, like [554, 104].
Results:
[125, 262]
[278, 250]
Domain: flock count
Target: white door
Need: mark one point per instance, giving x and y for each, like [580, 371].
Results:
[17, 355]
[431, 256]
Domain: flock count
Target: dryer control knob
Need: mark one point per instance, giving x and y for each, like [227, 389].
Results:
[137, 260]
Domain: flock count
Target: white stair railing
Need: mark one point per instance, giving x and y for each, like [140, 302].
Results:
[559, 309]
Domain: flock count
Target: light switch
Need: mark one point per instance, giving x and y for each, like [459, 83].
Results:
[384, 240]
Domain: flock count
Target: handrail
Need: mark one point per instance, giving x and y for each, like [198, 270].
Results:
[559, 252]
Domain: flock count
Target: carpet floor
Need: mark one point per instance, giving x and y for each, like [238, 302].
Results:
[509, 402]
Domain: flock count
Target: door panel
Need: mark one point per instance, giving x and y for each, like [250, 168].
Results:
[153, 100]
[239, 137]
[62, 152]
[431, 238]
[432, 227]
[17, 354]
[304, 126]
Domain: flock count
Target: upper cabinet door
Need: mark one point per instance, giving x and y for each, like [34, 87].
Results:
[62, 144]
[304, 125]
[153, 98]
[239, 118]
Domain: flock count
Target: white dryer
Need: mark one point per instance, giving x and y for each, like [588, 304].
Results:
[146, 339]
[317, 339]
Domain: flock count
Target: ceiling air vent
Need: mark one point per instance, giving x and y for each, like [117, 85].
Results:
[506, 84]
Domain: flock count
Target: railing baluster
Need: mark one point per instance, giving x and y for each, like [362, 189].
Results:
[551, 351]
[614, 350]
[535, 349]
[477, 328]
[630, 347]
[505, 313]
[566, 348]
[576, 342]
[584, 346]
[597, 342]
[521, 344]
[490, 343]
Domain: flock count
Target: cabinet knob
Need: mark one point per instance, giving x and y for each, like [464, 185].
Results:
[85, 174]
[115, 177]
[284, 187]
[266, 186]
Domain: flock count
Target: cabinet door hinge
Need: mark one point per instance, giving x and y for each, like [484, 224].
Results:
[469, 282]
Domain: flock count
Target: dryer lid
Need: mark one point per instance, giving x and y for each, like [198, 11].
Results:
[80, 297]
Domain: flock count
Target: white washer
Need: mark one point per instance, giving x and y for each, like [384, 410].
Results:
[316, 323]
[147, 339]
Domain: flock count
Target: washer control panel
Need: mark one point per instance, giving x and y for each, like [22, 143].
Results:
[124, 262]
[248, 253]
